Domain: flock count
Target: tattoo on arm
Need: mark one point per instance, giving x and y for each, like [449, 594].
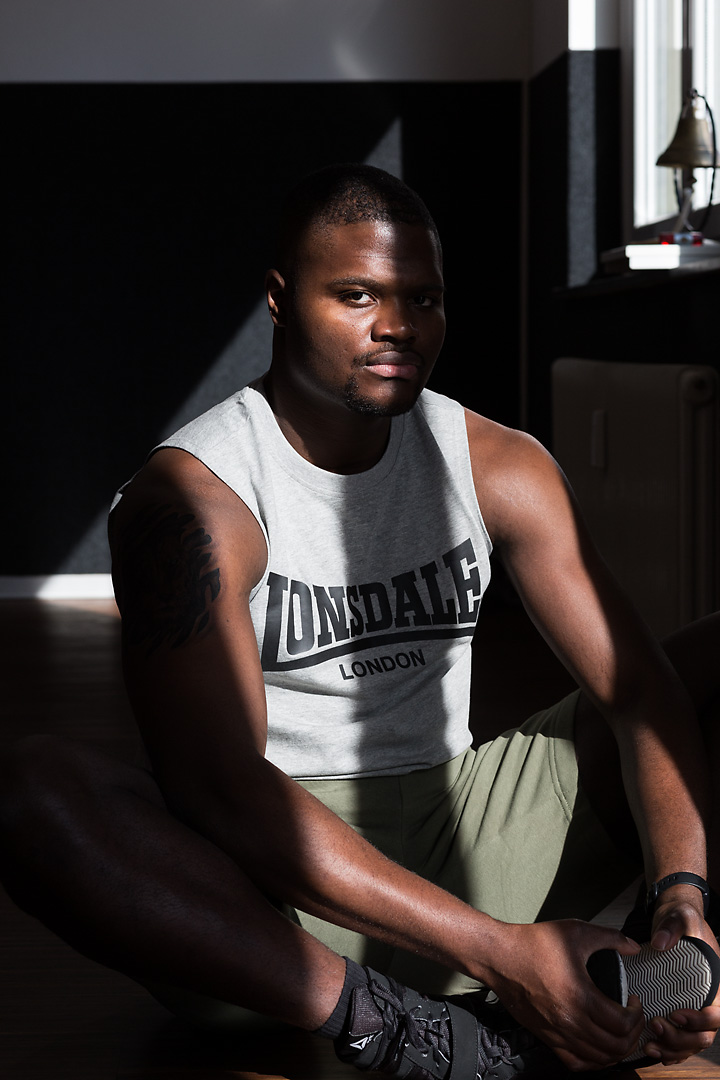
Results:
[168, 578]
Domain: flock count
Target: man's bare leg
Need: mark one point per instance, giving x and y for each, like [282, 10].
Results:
[89, 848]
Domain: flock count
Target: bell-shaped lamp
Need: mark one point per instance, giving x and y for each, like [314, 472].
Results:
[694, 146]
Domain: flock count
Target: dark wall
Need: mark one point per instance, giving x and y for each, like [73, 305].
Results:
[138, 229]
[574, 207]
[575, 214]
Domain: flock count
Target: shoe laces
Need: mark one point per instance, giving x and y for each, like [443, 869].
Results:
[429, 1035]
[493, 1049]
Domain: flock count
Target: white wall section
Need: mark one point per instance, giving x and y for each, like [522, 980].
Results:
[57, 587]
[262, 40]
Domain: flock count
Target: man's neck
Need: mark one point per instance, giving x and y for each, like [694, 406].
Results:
[332, 438]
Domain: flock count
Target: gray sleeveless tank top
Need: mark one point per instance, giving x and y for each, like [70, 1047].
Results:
[365, 613]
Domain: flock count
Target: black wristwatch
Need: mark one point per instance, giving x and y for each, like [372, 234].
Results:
[683, 877]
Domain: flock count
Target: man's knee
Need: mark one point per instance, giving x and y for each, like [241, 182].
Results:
[50, 783]
[28, 772]
[58, 800]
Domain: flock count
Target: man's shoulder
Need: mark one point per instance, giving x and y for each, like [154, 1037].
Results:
[188, 466]
[175, 493]
[172, 477]
[219, 421]
[489, 434]
[495, 449]
[431, 403]
[500, 446]
[513, 473]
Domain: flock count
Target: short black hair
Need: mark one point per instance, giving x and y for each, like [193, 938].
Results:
[345, 195]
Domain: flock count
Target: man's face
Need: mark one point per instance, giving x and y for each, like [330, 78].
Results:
[364, 318]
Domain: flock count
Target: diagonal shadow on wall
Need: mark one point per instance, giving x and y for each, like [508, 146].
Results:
[138, 232]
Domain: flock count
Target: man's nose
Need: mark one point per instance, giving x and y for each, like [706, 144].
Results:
[393, 321]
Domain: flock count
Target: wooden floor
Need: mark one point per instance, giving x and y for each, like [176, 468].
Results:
[62, 1016]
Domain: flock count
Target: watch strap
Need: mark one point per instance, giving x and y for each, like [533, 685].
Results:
[682, 877]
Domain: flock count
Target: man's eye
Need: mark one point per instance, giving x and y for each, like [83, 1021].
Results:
[424, 301]
[357, 296]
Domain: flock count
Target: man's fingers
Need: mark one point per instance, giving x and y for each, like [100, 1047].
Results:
[605, 937]
[592, 1032]
[626, 946]
[667, 933]
[684, 1033]
[607, 1034]
[673, 920]
[589, 1030]
[707, 1019]
[556, 998]
[672, 1044]
[614, 1018]
[607, 1031]
[668, 929]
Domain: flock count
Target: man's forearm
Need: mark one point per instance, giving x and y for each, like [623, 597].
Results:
[298, 851]
[667, 783]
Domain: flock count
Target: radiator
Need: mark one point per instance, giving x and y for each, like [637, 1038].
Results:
[639, 445]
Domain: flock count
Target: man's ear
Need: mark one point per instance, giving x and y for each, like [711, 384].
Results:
[276, 291]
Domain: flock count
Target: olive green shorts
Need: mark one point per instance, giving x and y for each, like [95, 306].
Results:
[504, 827]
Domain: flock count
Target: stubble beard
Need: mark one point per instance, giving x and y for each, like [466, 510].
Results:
[357, 402]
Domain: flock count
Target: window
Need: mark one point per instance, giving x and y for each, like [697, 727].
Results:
[657, 94]
[675, 46]
[705, 31]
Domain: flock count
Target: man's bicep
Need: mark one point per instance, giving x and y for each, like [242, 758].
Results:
[571, 597]
[565, 585]
[183, 573]
[167, 576]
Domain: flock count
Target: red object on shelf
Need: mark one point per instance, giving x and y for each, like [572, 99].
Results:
[694, 238]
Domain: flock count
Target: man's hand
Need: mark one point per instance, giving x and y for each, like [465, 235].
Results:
[543, 981]
[686, 1031]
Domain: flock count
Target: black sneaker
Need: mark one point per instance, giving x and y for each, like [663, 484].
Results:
[396, 1030]
[684, 977]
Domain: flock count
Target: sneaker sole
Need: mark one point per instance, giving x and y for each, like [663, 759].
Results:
[685, 977]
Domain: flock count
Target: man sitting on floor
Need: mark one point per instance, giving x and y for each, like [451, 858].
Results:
[299, 573]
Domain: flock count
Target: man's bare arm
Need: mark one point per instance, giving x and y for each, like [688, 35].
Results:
[187, 553]
[571, 596]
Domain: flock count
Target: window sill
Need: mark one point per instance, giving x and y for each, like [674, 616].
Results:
[636, 279]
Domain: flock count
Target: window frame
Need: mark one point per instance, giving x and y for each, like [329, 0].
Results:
[647, 231]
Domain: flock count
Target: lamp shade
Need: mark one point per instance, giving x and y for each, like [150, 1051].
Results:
[692, 144]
